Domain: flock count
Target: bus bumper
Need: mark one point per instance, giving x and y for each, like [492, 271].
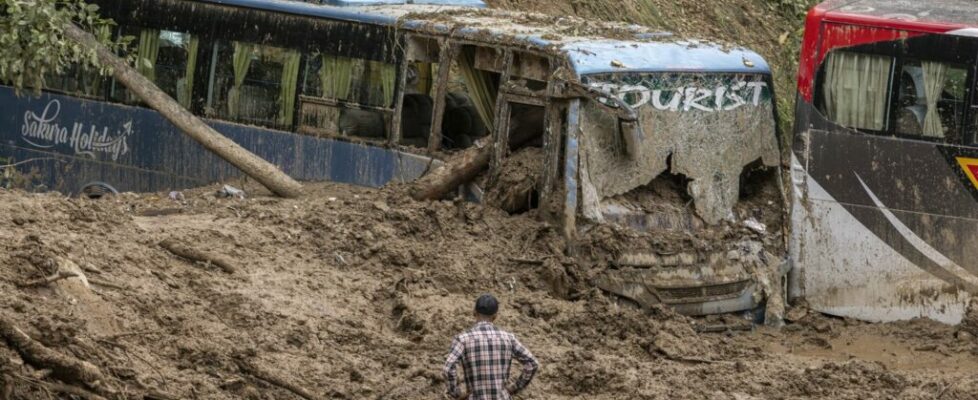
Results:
[722, 284]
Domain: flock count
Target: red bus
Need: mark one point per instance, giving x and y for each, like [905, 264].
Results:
[885, 160]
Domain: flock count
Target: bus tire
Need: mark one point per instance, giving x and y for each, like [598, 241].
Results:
[96, 190]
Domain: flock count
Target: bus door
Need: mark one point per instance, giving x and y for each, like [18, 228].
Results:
[887, 202]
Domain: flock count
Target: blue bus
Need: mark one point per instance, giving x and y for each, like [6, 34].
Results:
[669, 144]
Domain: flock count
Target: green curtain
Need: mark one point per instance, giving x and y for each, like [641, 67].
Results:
[188, 83]
[290, 79]
[386, 75]
[242, 61]
[146, 53]
[481, 89]
[425, 76]
[335, 76]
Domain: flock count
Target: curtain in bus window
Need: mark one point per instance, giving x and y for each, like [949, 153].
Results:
[856, 87]
[934, 77]
[290, 78]
[385, 75]
[243, 53]
[481, 88]
[424, 77]
[147, 52]
[186, 85]
[335, 75]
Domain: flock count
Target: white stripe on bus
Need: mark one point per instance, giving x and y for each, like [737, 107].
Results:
[917, 242]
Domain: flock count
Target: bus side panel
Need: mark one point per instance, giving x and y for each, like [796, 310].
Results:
[136, 149]
[844, 268]
[42, 170]
[881, 226]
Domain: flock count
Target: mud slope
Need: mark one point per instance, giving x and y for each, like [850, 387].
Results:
[353, 293]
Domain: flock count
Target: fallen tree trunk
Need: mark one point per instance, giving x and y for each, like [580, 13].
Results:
[62, 388]
[64, 367]
[262, 171]
[466, 165]
[461, 168]
[61, 274]
[180, 249]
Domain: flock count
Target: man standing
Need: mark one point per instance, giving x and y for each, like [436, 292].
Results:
[486, 353]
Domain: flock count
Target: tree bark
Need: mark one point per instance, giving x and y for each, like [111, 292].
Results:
[259, 169]
[65, 367]
[464, 166]
[461, 168]
[181, 249]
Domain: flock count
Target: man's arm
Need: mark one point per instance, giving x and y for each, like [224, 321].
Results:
[451, 362]
[529, 363]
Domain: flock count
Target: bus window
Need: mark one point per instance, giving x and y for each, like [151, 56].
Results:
[931, 99]
[470, 102]
[77, 80]
[346, 96]
[254, 84]
[855, 90]
[167, 58]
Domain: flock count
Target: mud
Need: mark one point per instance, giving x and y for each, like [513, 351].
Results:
[354, 293]
[514, 187]
[682, 142]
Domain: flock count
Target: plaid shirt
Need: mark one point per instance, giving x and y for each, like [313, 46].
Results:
[486, 353]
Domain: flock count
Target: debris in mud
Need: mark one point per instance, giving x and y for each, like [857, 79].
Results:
[230, 191]
[969, 323]
[514, 188]
[377, 324]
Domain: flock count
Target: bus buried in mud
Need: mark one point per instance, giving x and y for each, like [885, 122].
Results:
[657, 156]
[885, 160]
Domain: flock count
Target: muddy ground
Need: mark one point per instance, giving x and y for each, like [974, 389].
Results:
[355, 293]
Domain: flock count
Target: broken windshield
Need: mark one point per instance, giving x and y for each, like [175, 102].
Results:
[706, 127]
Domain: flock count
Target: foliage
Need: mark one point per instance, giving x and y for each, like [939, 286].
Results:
[794, 12]
[794, 8]
[34, 45]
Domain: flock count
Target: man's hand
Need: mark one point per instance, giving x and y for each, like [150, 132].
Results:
[463, 396]
[511, 389]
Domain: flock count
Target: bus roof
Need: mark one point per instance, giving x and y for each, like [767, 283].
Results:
[950, 14]
[602, 56]
[591, 47]
[362, 3]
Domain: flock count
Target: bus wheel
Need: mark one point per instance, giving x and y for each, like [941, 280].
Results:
[96, 190]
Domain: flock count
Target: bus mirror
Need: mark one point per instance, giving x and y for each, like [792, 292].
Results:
[631, 134]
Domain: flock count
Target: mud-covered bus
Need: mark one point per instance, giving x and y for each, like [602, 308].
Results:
[885, 160]
[666, 148]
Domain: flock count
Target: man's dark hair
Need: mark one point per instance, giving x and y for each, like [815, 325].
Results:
[486, 305]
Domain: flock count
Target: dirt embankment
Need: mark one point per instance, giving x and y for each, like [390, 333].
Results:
[353, 293]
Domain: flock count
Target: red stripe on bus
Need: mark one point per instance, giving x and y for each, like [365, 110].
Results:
[974, 171]
[826, 30]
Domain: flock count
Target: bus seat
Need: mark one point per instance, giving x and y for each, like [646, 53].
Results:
[910, 119]
[462, 125]
[361, 123]
[416, 116]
